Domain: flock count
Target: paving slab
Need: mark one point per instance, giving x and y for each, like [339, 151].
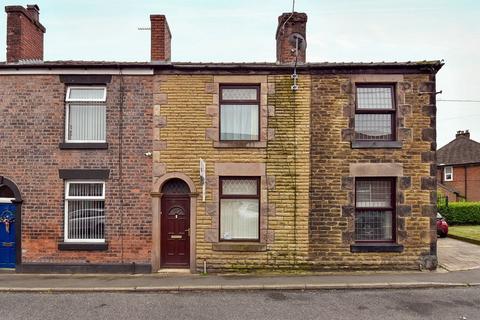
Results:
[212, 282]
[456, 255]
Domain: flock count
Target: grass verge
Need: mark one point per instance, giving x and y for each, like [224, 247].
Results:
[467, 232]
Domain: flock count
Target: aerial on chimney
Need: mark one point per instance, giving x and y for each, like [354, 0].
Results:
[24, 33]
[291, 38]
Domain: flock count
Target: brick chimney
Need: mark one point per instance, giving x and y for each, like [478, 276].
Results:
[291, 26]
[160, 39]
[24, 33]
[465, 134]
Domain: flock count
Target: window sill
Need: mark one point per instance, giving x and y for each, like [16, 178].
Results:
[376, 144]
[376, 247]
[240, 144]
[82, 246]
[239, 247]
[83, 145]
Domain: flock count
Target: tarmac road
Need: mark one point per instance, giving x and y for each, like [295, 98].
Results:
[452, 303]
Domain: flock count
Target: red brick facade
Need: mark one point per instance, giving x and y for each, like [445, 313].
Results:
[466, 182]
[32, 113]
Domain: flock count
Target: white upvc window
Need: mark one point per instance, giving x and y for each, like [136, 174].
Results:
[448, 173]
[85, 115]
[84, 211]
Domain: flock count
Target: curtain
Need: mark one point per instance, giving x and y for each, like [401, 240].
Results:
[239, 122]
[239, 219]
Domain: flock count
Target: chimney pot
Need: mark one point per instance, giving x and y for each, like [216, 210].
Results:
[33, 11]
[291, 27]
[161, 39]
[461, 133]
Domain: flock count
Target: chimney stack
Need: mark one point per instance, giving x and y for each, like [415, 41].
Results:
[160, 39]
[291, 36]
[24, 33]
[461, 133]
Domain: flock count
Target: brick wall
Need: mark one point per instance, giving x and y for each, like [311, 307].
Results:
[289, 24]
[332, 187]
[160, 46]
[470, 189]
[304, 159]
[24, 35]
[32, 111]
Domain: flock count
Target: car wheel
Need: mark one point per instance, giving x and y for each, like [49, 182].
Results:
[442, 234]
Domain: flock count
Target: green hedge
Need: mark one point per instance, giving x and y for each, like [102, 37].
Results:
[461, 212]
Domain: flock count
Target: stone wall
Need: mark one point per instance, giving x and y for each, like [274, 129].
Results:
[332, 182]
[186, 129]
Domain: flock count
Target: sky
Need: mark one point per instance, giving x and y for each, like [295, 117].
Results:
[244, 31]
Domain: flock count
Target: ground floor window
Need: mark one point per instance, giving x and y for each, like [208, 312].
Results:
[84, 211]
[375, 209]
[239, 208]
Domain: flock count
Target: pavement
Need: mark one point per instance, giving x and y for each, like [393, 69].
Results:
[453, 254]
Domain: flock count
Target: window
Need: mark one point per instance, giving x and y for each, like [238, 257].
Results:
[374, 209]
[448, 171]
[85, 114]
[239, 112]
[84, 211]
[375, 113]
[239, 208]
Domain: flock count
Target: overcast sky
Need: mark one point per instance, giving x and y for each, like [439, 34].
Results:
[337, 30]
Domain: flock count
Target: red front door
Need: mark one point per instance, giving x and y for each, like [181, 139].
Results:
[175, 233]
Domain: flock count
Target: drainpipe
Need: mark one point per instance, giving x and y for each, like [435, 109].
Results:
[465, 178]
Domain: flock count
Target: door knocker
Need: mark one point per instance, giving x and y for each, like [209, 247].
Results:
[7, 218]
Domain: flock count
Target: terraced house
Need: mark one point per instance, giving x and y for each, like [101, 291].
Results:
[138, 167]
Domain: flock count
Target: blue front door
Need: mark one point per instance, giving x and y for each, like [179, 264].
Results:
[7, 235]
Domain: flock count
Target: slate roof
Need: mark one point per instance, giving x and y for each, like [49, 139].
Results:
[428, 65]
[462, 150]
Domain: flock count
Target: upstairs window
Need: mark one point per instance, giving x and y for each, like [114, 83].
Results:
[85, 114]
[375, 113]
[374, 209]
[448, 173]
[84, 211]
[239, 112]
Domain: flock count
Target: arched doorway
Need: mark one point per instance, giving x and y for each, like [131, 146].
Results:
[175, 224]
[10, 219]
